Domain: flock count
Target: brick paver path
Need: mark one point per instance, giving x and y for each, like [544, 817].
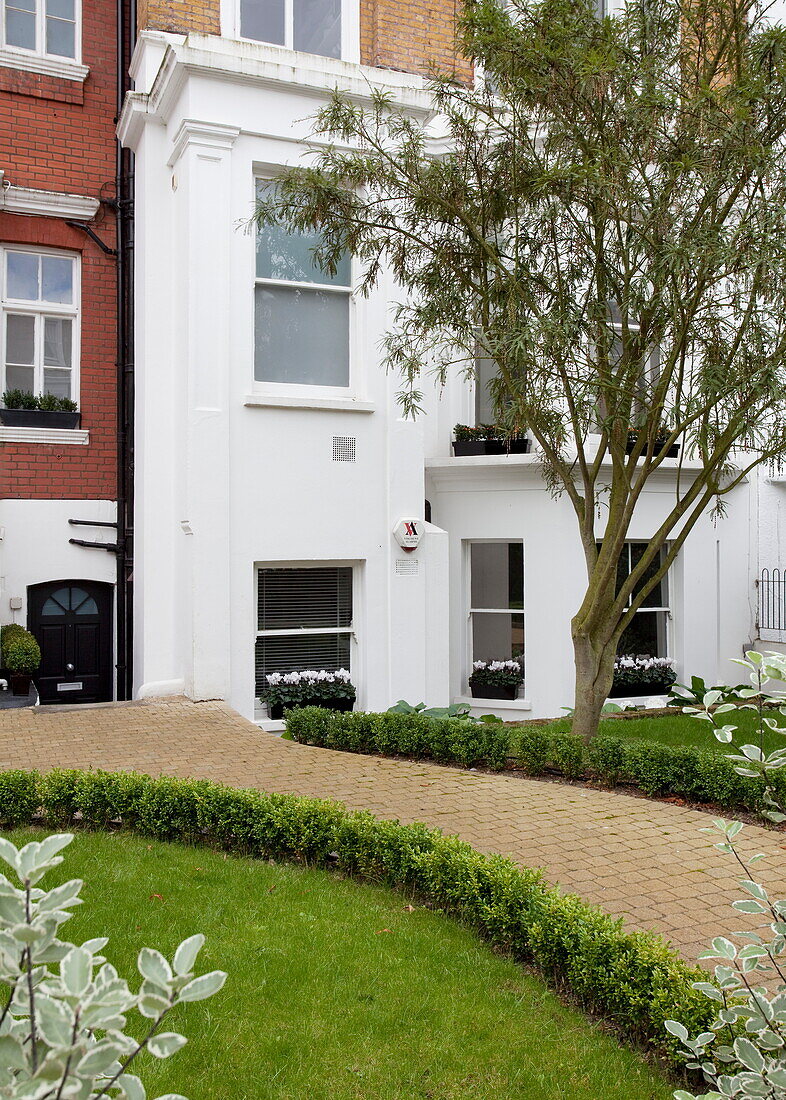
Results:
[646, 861]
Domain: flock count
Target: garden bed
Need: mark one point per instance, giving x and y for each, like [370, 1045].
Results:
[330, 980]
[697, 775]
[632, 978]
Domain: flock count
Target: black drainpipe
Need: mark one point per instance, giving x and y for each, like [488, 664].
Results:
[126, 36]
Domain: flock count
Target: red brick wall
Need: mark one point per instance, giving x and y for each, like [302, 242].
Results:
[59, 135]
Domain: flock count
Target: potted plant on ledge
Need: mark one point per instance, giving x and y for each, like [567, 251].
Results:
[21, 657]
[642, 675]
[488, 439]
[495, 679]
[660, 439]
[310, 688]
[25, 410]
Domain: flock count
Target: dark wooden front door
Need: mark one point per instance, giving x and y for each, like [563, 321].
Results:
[72, 621]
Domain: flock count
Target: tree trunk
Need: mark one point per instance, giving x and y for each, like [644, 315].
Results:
[594, 658]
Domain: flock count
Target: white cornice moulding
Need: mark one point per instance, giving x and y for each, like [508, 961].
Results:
[132, 119]
[60, 68]
[207, 135]
[58, 436]
[51, 204]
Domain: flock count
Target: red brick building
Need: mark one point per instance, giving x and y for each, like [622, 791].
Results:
[59, 270]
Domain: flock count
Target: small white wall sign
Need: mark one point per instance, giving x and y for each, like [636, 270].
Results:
[408, 533]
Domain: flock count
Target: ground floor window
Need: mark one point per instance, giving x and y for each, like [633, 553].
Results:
[647, 634]
[496, 610]
[304, 620]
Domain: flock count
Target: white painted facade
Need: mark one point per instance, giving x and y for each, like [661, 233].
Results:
[233, 474]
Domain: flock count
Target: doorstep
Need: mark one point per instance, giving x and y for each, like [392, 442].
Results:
[9, 701]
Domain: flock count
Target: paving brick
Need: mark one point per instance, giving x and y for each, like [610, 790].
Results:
[662, 872]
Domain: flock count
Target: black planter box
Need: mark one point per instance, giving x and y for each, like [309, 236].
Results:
[276, 710]
[20, 683]
[652, 687]
[478, 447]
[39, 418]
[490, 691]
[672, 452]
[491, 447]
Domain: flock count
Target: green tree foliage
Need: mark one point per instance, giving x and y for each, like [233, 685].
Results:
[604, 216]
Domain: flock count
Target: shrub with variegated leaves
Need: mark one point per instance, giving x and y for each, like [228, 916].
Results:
[64, 1009]
[743, 1053]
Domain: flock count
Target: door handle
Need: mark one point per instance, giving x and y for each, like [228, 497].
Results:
[69, 668]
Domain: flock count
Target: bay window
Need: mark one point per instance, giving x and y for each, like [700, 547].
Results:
[301, 313]
[40, 316]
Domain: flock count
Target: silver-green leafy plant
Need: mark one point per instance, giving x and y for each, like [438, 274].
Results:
[64, 1012]
[743, 1052]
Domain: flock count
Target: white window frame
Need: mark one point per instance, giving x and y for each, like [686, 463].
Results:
[470, 657]
[355, 652]
[350, 29]
[666, 609]
[40, 310]
[56, 59]
[307, 391]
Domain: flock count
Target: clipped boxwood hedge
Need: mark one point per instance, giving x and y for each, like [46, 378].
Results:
[632, 977]
[448, 740]
[698, 775]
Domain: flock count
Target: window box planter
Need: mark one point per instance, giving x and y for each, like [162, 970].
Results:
[672, 452]
[495, 679]
[478, 447]
[464, 447]
[39, 418]
[309, 688]
[489, 691]
[646, 687]
[276, 710]
[642, 676]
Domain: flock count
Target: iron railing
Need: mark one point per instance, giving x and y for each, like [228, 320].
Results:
[772, 599]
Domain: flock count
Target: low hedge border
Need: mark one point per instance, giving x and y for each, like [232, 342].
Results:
[634, 978]
[697, 775]
[447, 740]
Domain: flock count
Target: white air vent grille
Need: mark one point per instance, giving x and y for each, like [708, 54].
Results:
[407, 567]
[344, 448]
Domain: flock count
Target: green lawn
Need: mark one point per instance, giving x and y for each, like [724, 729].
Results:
[336, 990]
[682, 729]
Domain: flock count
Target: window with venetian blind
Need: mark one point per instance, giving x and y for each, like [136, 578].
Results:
[304, 620]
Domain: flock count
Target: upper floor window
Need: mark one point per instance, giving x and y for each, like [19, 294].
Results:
[313, 26]
[301, 313]
[46, 27]
[40, 317]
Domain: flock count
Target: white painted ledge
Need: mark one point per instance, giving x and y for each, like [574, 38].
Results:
[52, 204]
[59, 436]
[62, 68]
[324, 404]
[269, 726]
